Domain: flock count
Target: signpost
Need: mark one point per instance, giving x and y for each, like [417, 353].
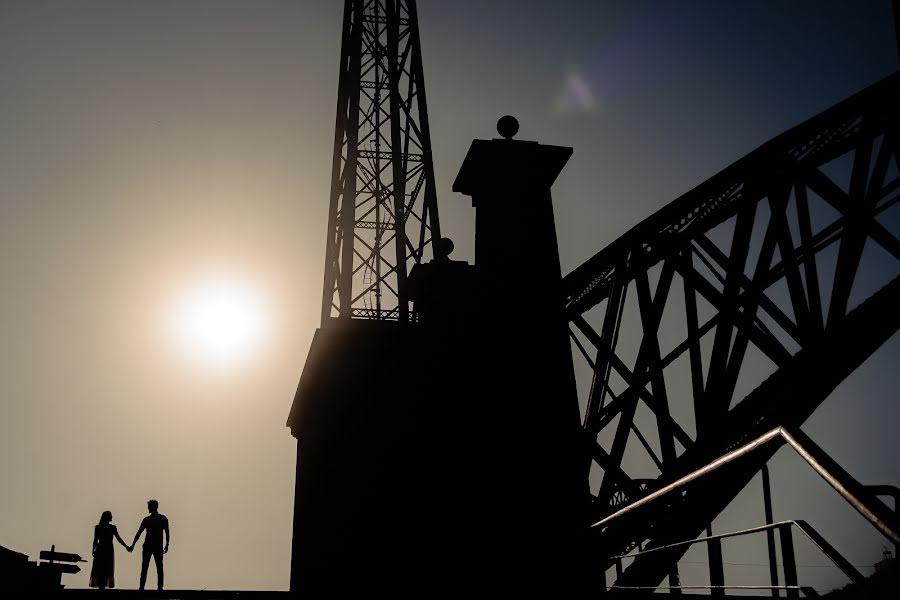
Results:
[59, 563]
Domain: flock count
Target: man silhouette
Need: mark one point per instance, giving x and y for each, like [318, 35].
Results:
[155, 525]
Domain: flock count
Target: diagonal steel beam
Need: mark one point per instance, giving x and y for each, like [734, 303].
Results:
[816, 370]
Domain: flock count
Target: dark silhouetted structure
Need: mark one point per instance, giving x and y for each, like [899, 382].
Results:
[465, 469]
[762, 275]
[15, 569]
[26, 578]
[383, 215]
[440, 445]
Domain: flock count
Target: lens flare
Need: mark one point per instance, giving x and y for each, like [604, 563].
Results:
[576, 95]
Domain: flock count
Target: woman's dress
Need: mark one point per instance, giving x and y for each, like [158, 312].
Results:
[104, 566]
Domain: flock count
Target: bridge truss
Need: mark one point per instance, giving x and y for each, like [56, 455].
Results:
[777, 275]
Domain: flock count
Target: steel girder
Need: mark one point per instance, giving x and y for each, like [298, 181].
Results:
[383, 214]
[779, 258]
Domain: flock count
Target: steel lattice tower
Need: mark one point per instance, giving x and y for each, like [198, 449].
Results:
[383, 214]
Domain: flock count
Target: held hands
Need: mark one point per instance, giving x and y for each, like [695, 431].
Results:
[130, 548]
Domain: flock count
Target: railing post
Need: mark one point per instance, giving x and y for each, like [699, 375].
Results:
[674, 581]
[603, 584]
[716, 569]
[890, 490]
[790, 565]
[770, 533]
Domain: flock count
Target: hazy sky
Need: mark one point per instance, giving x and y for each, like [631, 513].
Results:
[151, 149]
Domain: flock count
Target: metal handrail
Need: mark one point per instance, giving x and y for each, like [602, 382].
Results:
[808, 530]
[809, 592]
[874, 510]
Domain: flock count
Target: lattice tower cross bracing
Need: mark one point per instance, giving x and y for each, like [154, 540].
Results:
[383, 214]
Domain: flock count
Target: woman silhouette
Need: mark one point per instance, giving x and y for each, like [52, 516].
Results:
[104, 559]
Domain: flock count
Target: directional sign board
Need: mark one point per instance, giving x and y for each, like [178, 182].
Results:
[61, 567]
[60, 562]
[54, 556]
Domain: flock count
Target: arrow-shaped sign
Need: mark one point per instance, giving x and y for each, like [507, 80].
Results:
[61, 567]
[54, 556]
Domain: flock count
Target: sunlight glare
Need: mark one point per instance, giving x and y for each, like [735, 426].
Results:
[220, 322]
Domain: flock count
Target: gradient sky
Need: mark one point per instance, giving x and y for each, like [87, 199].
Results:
[149, 147]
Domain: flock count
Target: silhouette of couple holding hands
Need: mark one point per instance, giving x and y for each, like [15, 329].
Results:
[103, 568]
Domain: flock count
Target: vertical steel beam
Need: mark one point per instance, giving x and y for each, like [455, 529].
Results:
[790, 563]
[770, 534]
[338, 263]
[615, 304]
[777, 202]
[813, 293]
[718, 401]
[429, 211]
[853, 240]
[702, 423]
[716, 566]
[674, 581]
[398, 158]
[651, 339]
[894, 492]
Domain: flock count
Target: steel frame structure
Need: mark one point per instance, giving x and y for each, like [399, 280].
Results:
[759, 304]
[791, 586]
[750, 249]
[862, 498]
[383, 213]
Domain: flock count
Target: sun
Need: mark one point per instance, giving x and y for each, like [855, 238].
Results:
[220, 322]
